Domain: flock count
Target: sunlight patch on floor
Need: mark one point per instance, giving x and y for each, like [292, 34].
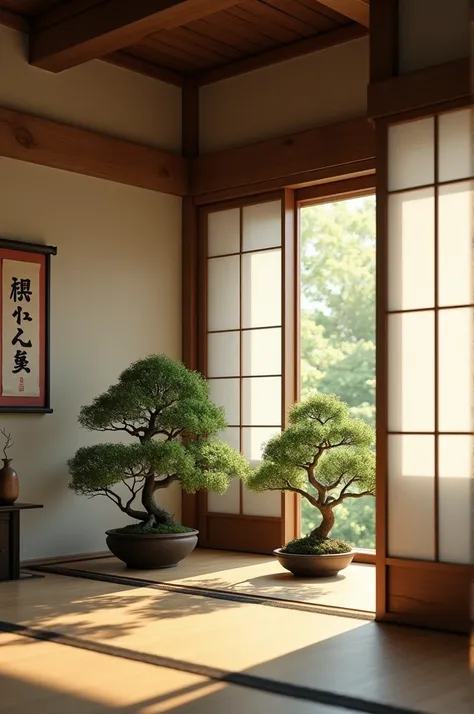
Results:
[263, 576]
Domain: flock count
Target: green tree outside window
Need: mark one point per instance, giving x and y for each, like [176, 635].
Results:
[338, 330]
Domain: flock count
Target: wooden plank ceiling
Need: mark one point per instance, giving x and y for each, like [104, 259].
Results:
[175, 40]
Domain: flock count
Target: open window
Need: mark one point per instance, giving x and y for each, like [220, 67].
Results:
[337, 325]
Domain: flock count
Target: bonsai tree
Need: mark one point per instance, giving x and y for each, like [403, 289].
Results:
[326, 456]
[166, 409]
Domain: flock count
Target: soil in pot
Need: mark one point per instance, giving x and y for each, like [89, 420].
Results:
[142, 548]
[311, 557]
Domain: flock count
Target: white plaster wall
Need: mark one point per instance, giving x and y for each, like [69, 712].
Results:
[96, 96]
[321, 88]
[115, 298]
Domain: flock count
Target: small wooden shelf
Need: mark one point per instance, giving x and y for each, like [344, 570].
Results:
[10, 539]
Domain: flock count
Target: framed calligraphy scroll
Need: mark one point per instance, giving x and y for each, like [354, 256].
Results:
[25, 327]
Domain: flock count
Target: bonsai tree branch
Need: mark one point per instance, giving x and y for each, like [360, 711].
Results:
[127, 429]
[115, 498]
[165, 482]
[320, 488]
[361, 494]
[336, 483]
[174, 434]
[301, 492]
[288, 487]
[133, 489]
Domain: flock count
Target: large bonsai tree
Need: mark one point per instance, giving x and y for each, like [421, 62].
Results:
[166, 408]
[325, 456]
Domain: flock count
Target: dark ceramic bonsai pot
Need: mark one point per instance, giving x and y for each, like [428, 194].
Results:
[149, 551]
[314, 566]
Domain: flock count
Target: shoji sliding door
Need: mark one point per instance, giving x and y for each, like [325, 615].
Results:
[425, 420]
[247, 339]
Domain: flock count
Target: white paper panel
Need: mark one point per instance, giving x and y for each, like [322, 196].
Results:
[231, 436]
[262, 226]
[223, 293]
[228, 502]
[455, 145]
[455, 250]
[455, 376]
[254, 440]
[226, 393]
[411, 515]
[411, 371]
[455, 454]
[261, 289]
[261, 401]
[411, 154]
[223, 232]
[411, 230]
[261, 352]
[223, 354]
[261, 504]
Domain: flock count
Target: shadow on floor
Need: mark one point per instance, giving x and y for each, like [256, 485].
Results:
[20, 695]
[141, 605]
[374, 669]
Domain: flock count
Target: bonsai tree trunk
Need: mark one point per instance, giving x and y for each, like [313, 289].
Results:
[327, 523]
[149, 504]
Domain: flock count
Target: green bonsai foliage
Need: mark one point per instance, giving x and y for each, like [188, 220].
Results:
[326, 456]
[167, 409]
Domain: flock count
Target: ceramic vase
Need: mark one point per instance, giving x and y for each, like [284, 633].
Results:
[9, 486]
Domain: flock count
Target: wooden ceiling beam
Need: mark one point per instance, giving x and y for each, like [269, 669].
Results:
[357, 10]
[319, 42]
[60, 146]
[142, 66]
[285, 157]
[72, 34]
[11, 19]
[448, 83]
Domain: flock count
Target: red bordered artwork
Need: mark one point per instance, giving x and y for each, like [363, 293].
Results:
[25, 327]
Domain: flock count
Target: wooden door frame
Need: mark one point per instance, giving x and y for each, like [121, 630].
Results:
[339, 190]
[194, 506]
[240, 532]
[409, 591]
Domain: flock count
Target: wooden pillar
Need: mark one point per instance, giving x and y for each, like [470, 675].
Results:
[419, 98]
[189, 247]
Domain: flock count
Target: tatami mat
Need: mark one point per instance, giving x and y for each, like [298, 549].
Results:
[414, 669]
[253, 575]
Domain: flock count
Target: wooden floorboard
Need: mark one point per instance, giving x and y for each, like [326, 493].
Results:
[48, 678]
[250, 575]
[407, 668]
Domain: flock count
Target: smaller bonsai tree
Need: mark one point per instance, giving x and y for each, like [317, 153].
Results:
[167, 409]
[326, 456]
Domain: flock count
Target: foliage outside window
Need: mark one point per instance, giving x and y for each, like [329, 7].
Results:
[338, 330]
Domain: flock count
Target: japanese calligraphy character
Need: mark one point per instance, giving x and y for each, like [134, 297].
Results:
[20, 288]
[21, 362]
[17, 339]
[21, 315]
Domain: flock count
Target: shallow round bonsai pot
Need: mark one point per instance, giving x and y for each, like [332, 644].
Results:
[314, 566]
[149, 551]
